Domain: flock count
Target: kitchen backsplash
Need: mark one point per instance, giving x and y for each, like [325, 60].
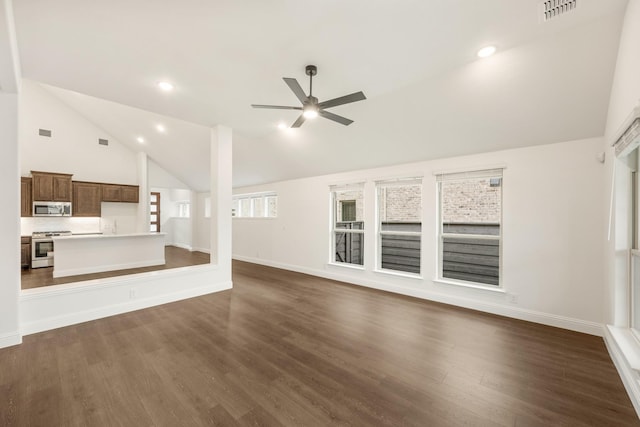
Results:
[75, 225]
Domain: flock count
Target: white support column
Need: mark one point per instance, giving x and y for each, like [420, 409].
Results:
[221, 176]
[142, 221]
[9, 180]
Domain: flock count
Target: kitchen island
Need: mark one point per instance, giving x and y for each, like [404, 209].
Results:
[95, 253]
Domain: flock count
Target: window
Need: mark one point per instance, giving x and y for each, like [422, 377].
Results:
[469, 229]
[348, 224]
[207, 207]
[348, 210]
[259, 205]
[184, 209]
[399, 206]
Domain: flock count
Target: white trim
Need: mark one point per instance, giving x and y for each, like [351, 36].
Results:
[258, 194]
[405, 181]
[346, 265]
[398, 273]
[347, 186]
[181, 245]
[469, 169]
[11, 339]
[109, 267]
[617, 345]
[472, 285]
[205, 250]
[572, 324]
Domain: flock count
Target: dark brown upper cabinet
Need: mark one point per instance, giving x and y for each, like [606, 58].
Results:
[120, 193]
[87, 197]
[51, 187]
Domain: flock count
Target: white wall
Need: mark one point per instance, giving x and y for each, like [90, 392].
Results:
[179, 230]
[9, 221]
[159, 177]
[616, 240]
[552, 224]
[625, 95]
[73, 147]
[9, 179]
[202, 224]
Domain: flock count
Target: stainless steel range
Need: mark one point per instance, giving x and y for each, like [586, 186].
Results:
[42, 247]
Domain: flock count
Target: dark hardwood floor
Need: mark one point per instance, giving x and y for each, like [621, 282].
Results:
[174, 257]
[283, 348]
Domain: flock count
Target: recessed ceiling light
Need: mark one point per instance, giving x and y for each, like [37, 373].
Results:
[165, 86]
[282, 125]
[486, 51]
[161, 128]
[140, 140]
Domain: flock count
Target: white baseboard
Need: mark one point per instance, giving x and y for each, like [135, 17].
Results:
[205, 250]
[102, 268]
[578, 325]
[629, 376]
[180, 245]
[11, 339]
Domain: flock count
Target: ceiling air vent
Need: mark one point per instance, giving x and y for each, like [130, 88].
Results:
[103, 141]
[44, 132]
[554, 8]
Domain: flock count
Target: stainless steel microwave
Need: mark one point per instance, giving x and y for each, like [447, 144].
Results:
[51, 208]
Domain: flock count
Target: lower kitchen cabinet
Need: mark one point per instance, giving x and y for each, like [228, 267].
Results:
[25, 252]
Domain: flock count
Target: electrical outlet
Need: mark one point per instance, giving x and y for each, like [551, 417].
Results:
[132, 293]
[512, 298]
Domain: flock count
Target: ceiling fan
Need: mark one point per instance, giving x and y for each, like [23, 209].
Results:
[310, 106]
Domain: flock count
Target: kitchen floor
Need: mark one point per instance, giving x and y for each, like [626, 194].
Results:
[174, 257]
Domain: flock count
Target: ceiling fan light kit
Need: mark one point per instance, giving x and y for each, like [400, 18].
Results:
[311, 108]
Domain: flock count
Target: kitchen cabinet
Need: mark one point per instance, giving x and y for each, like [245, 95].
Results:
[25, 251]
[130, 194]
[120, 193]
[87, 197]
[26, 201]
[51, 187]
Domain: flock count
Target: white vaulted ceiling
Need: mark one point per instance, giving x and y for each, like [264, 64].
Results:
[428, 95]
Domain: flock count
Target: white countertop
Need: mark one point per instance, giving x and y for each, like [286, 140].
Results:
[107, 236]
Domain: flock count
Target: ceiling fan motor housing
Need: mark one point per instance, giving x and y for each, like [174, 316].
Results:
[311, 70]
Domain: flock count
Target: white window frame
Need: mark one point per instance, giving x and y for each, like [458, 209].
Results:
[463, 176]
[398, 182]
[252, 198]
[184, 209]
[334, 219]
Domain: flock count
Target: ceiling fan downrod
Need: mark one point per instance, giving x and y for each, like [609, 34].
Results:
[311, 70]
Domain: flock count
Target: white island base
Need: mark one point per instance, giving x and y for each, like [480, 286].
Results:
[96, 253]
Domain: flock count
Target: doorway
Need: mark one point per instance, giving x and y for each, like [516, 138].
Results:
[154, 212]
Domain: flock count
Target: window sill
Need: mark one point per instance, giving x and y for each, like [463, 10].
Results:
[470, 285]
[398, 273]
[254, 217]
[628, 345]
[346, 265]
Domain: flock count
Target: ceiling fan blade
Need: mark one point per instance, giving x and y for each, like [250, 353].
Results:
[296, 88]
[299, 121]
[335, 117]
[276, 107]
[357, 96]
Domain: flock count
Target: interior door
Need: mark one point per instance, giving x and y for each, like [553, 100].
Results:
[154, 212]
